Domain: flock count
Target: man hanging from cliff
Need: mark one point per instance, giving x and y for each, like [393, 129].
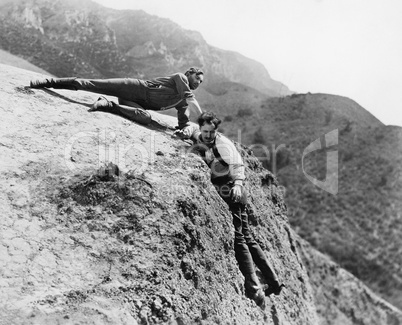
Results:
[157, 94]
[227, 174]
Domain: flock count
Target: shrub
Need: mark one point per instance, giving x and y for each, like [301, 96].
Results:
[242, 112]
[259, 136]
[328, 117]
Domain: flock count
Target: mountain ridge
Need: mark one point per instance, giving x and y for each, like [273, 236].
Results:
[138, 44]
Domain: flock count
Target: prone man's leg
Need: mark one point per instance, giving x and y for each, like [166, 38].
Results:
[137, 113]
[126, 88]
[134, 113]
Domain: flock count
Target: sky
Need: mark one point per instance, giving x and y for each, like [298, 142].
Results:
[351, 48]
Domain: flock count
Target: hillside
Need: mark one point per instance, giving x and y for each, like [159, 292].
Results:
[151, 245]
[360, 226]
[82, 38]
[15, 61]
[340, 299]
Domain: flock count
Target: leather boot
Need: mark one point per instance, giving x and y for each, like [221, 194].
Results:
[41, 83]
[253, 289]
[274, 287]
[56, 83]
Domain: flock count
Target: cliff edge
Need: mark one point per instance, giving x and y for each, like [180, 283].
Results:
[105, 221]
[155, 244]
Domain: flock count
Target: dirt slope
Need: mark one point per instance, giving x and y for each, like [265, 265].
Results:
[80, 245]
[15, 61]
[153, 246]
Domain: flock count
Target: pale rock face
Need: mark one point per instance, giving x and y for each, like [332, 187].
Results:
[154, 245]
[29, 17]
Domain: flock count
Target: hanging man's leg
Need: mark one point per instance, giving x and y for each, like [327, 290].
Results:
[260, 259]
[244, 258]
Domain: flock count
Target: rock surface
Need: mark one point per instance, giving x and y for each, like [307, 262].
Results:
[154, 245]
[151, 242]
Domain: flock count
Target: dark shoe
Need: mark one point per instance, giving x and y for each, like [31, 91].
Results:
[41, 83]
[253, 289]
[259, 299]
[275, 289]
[102, 104]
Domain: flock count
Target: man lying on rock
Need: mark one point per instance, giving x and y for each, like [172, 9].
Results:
[135, 96]
[227, 175]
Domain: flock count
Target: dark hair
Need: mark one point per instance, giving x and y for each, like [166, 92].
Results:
[209, 118]
[194, 70]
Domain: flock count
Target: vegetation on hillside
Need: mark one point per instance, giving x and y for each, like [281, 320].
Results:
[360, 226]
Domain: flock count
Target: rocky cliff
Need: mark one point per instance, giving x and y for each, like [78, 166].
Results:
[149, 242]
[152, 245]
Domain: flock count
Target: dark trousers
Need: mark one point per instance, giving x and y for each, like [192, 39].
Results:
[126, 90]
[247, 250]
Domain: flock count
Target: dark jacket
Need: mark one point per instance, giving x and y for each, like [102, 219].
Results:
[167, 92]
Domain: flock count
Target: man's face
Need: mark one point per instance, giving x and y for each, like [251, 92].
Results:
[195, 80]
[208, 133]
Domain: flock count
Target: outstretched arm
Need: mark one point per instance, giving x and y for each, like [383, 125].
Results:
[191, 131]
